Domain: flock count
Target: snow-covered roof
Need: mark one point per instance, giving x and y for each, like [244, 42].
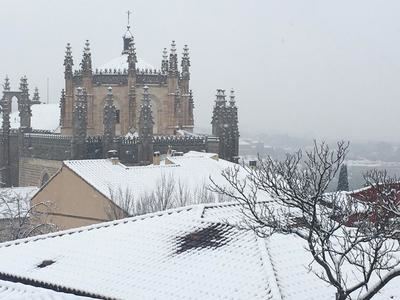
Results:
[121, 63]
[44, 117]
[18, 291]
[192, 170]
[177, 254]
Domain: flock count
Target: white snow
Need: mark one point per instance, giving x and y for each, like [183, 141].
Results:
[44, 117]
[193, 171]
[165, 256]
[121, 63]
[18, 291]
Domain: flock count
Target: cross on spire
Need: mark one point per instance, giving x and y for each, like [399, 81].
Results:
[129, 14]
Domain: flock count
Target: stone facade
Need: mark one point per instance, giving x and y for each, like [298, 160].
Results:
[225, 125]
[168, 88]
[36, 172]
[131, 112]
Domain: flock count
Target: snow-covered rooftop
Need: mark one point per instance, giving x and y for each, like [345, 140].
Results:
[192, 170]
[177, 254]
[44, 117]
[18, 291]
[121, 63]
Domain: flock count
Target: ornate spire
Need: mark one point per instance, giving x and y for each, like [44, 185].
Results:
[24, 104]
[132, 59]
[225, 126]
[132, 107]
[220, 100]
[5, 109]
[145, 147]
[6, 85]
[79, 126]
[128, 36]
[62, 107]
[164, 62]
[36, 97]
[146, 117]
[23, 85]
[178, 108]
[68, 62]
[232, 98]
[185, 63]
[109, 120]
[86, 63]
[191, 107]
[173, 60]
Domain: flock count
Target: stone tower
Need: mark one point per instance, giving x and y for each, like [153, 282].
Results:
[146, 123]
[127, 74]
[24, 106]
[62, 108]
[67, 97]
[5, 108]
[225, 125]
[109, 123]
[79, 132]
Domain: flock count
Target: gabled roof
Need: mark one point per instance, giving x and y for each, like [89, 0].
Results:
[193, 171]
[183, 253]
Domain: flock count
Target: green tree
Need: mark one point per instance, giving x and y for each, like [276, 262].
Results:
[343, 182]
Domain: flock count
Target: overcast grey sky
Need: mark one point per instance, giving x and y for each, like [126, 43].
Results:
[327, 69]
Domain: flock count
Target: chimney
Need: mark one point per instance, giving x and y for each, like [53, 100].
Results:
[156, 158]
[114, 160]
[113, 156]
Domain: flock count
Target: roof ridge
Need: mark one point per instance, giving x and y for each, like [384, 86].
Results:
[269, 268]
[72, 163]
[47, 285]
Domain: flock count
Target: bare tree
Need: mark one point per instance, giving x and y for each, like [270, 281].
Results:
[168, 193]
[122, 204]
[21, 219]
[182, 195]
[162, 197]
[357, 261]
[382, 193]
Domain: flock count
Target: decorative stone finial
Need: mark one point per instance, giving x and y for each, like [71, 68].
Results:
[6, 85]
[86, 63]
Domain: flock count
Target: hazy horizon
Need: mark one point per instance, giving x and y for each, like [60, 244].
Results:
[302, 68]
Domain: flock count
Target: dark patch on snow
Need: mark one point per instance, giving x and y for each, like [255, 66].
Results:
[45, 263]
[213, 236]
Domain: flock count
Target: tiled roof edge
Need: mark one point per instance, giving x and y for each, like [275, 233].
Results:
[50, 286]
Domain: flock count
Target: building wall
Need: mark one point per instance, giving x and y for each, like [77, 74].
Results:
[33, 170]
[74, 202]
[158, 96]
